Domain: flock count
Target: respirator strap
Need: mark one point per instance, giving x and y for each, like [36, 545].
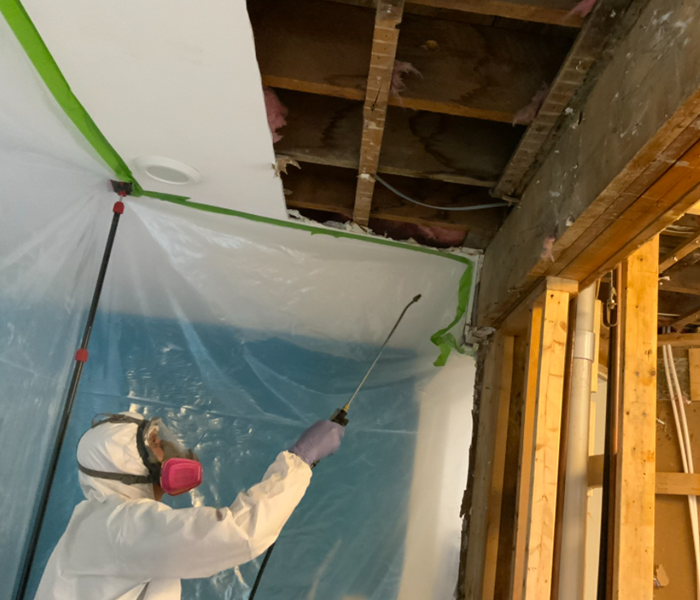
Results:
[121, 477]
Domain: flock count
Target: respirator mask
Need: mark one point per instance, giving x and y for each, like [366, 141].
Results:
[178, 472]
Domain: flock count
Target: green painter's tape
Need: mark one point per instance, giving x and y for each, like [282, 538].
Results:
[28, 36]
[443, 339]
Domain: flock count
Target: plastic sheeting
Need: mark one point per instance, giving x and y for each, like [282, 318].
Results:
[241, 333]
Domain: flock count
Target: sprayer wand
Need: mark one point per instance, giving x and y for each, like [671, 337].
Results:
[340, 416]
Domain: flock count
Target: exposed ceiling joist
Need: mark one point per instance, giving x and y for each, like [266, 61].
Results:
[332, 190]
[679, 252]
[538, 139]
[553, 12]
[682, 279]
[381, 69]
[462, 69]
[423, 145]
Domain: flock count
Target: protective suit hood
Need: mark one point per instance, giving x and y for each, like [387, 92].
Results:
[112, 447]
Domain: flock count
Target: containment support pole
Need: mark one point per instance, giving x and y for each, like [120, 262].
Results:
[575, 514]
[81, 357]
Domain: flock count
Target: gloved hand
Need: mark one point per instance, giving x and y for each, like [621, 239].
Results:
[318, 441]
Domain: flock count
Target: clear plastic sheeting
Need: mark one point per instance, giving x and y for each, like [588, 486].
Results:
[55, 208]
[240, 333]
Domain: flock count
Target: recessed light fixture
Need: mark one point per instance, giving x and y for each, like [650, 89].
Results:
[167, 170]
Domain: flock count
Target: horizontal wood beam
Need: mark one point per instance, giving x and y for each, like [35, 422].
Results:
[589, 45]
[682, 279]
[465, 70]
[688, 318]
[615, 180]
[680, 340]
[670, 484]
[328, 131]
[552, 12]
[332, 190]
[680, 252]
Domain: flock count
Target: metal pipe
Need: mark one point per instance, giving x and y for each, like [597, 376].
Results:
[607, 518]
[81, 357]
[575, 513]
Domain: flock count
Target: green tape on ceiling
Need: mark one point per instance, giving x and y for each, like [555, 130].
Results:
[37, 51]
[28, 36]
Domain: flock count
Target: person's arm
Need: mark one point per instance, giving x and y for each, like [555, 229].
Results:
[149, 540]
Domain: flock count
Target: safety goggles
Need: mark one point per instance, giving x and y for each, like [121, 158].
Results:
[178, 472]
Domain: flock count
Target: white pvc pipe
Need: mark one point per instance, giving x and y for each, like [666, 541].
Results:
[681, 422]
[575, 516]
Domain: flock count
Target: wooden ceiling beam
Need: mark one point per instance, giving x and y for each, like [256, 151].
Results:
[333, 190]
[329, 131]
[687, 319]
[680, 340]
[615, 180]
[552, 12]
[537, 140]
[465, 70]
[682, 279]
[381, 69]
[680, 252]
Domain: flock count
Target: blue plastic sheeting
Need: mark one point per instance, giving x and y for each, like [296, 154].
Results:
[239, 403]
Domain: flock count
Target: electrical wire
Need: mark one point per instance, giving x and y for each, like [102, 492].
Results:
[391, 188]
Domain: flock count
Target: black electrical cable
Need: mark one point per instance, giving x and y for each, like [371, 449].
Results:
[80, 359]
[454, 208]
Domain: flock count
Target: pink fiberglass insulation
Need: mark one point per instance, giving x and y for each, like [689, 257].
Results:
[582, 8]
[276, 113]
[402, 68]
[527, 114]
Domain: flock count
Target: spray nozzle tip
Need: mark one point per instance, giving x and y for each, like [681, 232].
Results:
[418, 297]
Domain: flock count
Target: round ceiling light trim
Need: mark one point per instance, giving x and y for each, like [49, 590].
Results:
[167, 170]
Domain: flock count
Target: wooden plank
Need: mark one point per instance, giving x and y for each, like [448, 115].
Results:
[522, 507]
[633, 569]
[587, 48]
[519, 320]
[554, 12]
[381, 68]
[694, 210]
[694, 368]
[604, 165]
[488, 476]
[679, 340]
[687, 319]
[678, 484]
[328, 131]
[504, 561]
[682, 279]
[668, 484]
[680, 252]
[551, 12]
[468, 70]
[333, 190]
[543, 495]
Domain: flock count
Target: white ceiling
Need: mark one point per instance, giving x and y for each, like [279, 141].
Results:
[172, 78]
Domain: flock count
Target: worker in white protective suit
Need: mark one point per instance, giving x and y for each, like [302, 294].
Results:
[123, 544]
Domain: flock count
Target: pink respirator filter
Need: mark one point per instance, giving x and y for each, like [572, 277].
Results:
[180, 475]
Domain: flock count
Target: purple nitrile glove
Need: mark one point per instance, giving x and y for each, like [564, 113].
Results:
[318, 441]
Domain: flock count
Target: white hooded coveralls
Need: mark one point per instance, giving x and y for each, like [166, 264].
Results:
[121, 544]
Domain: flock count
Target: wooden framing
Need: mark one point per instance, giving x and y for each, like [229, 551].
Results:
[667, 484]
[381, 68]
[543, 490]
[680, 252]
[633, 569]
[614, 181]
[488, 475]
[694, 371]
[680, 339]
[587, 48]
